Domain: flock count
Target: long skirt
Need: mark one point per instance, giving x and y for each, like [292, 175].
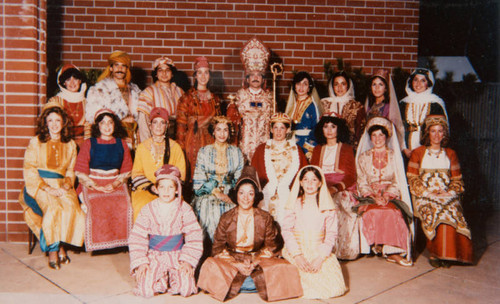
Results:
[109, 215]
[450, 245]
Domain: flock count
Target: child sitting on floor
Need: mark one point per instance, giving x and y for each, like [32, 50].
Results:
[166, 242]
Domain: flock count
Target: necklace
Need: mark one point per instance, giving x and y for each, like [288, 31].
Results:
[434, 153]
[157, 152]
[380, 159]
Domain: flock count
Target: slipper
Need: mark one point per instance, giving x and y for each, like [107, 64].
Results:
[377, 250]
[402, 262]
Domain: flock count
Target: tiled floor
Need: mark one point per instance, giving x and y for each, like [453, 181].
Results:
[104, 278]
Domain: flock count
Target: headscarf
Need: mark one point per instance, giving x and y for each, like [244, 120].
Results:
[325, 199]
[162, 60]
[333, 99]
[65, 94]
[425, 97]
[117, 56]
[158, 112]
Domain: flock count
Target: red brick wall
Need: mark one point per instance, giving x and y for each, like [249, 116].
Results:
[22, 87]
[303, 34]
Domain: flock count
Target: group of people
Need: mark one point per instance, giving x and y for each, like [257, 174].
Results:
[256, 201]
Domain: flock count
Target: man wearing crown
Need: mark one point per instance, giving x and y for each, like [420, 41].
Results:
[253, 101]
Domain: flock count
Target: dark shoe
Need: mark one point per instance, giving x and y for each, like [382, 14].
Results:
[64, 259]
[54, 265]
[435, 262]
[445, 264]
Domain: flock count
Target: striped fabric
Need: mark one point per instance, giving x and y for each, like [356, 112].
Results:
[166, 243]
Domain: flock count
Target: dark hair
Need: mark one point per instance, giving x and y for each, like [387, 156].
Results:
[42, 130]
[166, 154]
[371, 98]
[301, 76]
[341, 74]
[209, 84]
[287, 125]
[233, 193]
[118, 132]
[426, 141]
[211, 129]
[246, 84]
[301, 177]
[422, 72]
[342, 129]
[154, 73]
[376, 128]
[71, 72]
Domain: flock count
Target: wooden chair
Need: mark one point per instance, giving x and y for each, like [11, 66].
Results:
[32, 240]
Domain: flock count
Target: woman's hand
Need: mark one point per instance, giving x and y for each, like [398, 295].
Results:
[380, 200]
[57, 192]
[302, 263]
[407, 153]
[223, 197]
[316, 264]
[245, 268]
[186, 269]
[140, 272]
[442, 193]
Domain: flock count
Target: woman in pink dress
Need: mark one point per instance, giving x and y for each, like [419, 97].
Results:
[385, 201]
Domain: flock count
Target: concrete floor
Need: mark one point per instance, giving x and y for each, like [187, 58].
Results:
[104, 278]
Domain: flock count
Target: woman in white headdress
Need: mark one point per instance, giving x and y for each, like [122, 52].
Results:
[385, 205]
[419, 103]
[342, 103]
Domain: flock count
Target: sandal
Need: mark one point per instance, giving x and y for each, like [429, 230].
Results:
[377, 249]
[402, 262]
[64, 259]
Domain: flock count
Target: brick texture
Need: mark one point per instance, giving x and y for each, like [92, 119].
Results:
[302, 34]
[22, 88]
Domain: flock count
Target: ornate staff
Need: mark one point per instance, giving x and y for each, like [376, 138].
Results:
[277, 70]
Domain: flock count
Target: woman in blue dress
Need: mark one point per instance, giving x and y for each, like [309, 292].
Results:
[303, 108]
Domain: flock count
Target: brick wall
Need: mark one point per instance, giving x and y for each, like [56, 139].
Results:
[22, 88]
[303, 34]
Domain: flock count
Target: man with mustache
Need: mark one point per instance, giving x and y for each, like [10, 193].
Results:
[253, 101]
[115, 92]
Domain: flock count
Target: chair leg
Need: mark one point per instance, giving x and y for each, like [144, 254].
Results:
[31, 241]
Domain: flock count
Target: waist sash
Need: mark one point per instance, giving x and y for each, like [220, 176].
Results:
[166, 243]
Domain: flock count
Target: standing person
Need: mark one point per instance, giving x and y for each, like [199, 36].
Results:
[150, 156]
[166, 241]
[387, 217]
[310, 231]
[277, 161]
[382, 101]
[103, 167]
[341, 102]
[245, 249]
[50, 205]
[254, 102]
[419, 103]
[303, 108]
[436, 184]
[164, 93]
[71, 97]
[218, 167]
[115, 92]
[335, 157]
[194, 112]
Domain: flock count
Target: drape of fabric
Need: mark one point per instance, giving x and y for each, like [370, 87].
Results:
[255, 110]
[428, 173]
[275, 279]
[305, 114]
[343, 179]
[163, 274]
[109, 215]
[310, 229]
[154, 96]
[208, 179]
[276, 167]
[193, 119]
[390, 111]
[60, 219]
[145, 166]
[415, 108]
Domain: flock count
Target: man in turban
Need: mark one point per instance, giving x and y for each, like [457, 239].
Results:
[115, 92]
[164, 93]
